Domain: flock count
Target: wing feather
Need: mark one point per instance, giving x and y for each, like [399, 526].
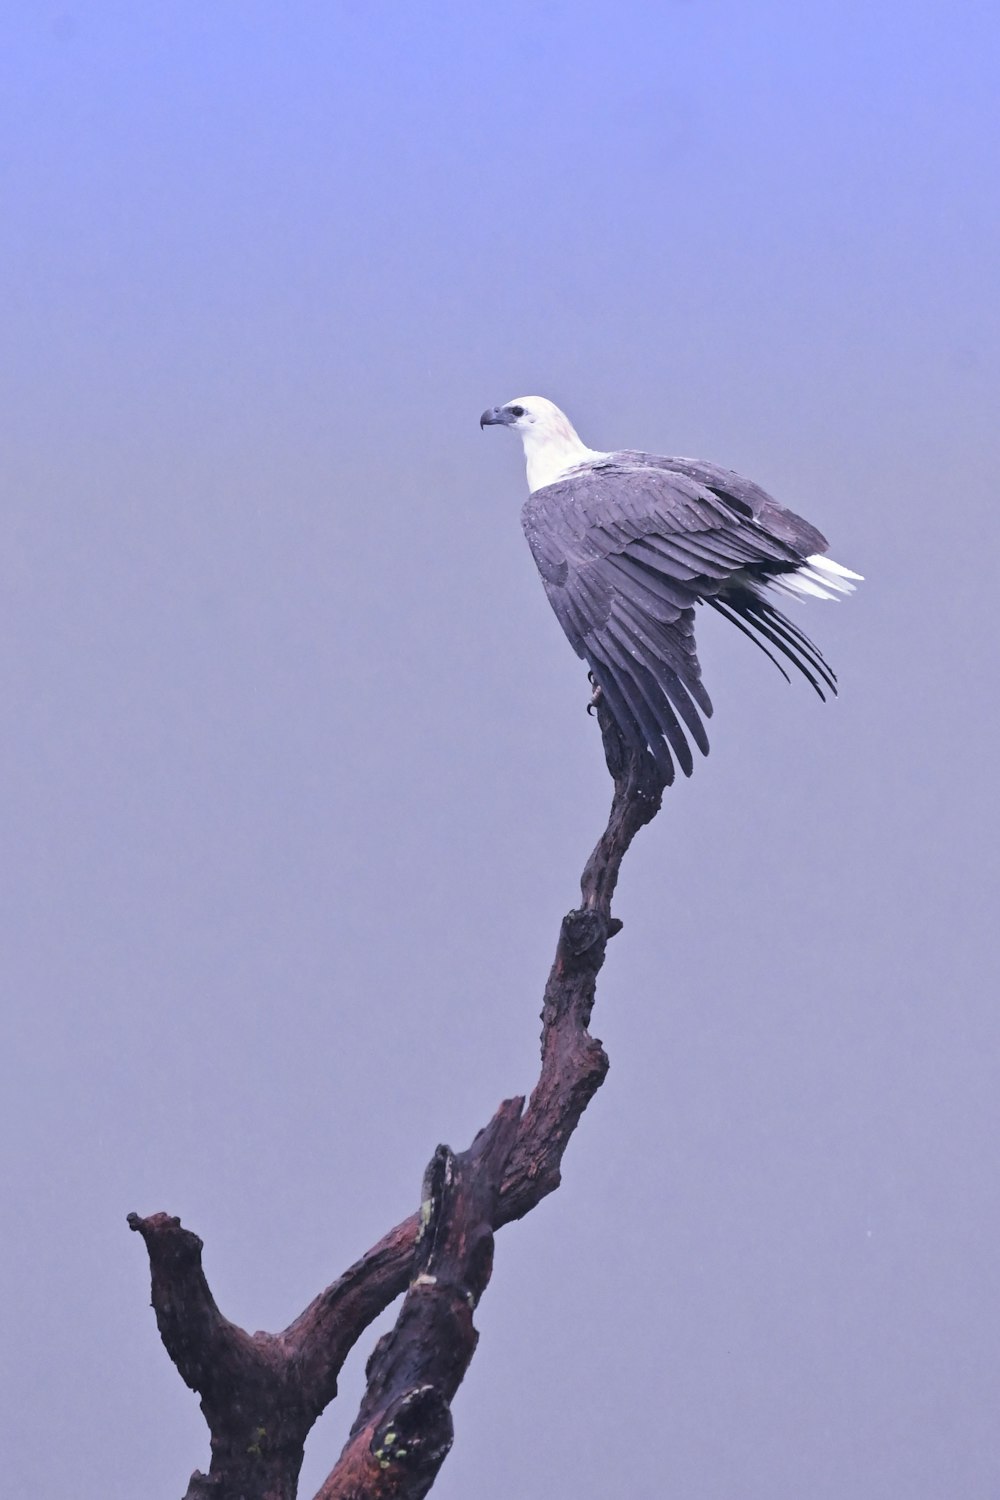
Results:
[631, 731]
[760, 619]
[670, 684]
[665, 599]
[649, 705]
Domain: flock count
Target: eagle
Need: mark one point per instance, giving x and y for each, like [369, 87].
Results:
[628, 543]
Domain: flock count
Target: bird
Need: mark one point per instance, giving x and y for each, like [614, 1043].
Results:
[629, 543]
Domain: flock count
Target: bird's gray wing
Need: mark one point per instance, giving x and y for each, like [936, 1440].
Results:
[744, 498]
[626, 549]
[777, 540]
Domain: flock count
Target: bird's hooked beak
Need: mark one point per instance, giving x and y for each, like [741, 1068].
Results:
[496, 416]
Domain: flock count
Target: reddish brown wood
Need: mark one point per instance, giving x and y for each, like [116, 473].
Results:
[403, 1431]
[261, 1394]
[250, 1394]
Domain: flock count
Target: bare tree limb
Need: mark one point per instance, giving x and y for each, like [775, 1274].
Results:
[248, 1386]
[262, 1394]
[404, 1430]
[199, 1340]
[324, 1334]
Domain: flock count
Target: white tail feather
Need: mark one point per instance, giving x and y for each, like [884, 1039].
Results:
[827, 565]
[818, 578]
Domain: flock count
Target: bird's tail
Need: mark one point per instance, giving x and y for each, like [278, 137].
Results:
[818, 577]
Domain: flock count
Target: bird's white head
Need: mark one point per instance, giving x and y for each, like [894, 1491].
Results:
[551, 444]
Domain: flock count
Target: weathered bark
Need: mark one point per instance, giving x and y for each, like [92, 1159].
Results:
[403, 1431]
[261, 1394]
[250, 1392]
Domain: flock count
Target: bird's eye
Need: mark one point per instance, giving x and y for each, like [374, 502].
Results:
[516, 411]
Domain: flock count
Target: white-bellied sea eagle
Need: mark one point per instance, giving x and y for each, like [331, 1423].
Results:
[628, 543]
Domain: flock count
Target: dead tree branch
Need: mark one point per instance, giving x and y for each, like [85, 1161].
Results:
[404, 1431]
[261, 1394]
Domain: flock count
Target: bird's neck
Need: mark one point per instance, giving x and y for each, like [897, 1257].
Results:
[550, 452]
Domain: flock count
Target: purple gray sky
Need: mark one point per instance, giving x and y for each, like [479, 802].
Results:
[295, 777]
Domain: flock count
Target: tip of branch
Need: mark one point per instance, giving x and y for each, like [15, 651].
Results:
[153, 1223]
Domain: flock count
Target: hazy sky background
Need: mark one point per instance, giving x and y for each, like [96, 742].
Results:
[296, 781]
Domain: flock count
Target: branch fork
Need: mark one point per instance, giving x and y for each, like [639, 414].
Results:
[261, 1393]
